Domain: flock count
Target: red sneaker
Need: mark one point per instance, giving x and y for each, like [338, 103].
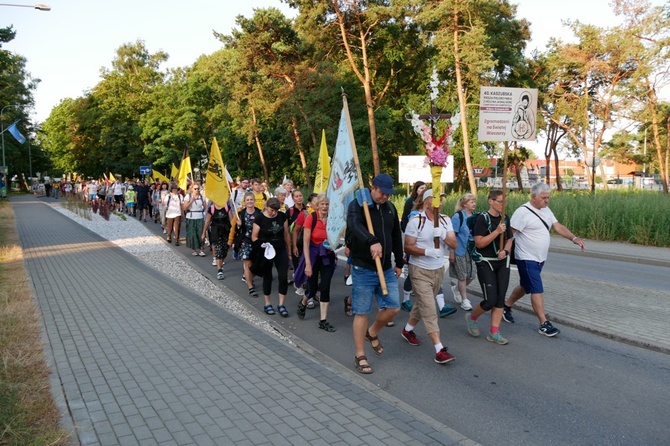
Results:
[442, 357]
[410, 337]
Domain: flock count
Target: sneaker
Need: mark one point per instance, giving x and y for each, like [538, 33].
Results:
[213, 261]
[447, 310]
[497, 338]
[164, 231]
[457, 294]
[300, 291]
[466, 305]
[406, 306]
[219, 275]
[235, 255]
[473, 326]
[410, 337]
[507, 314]
[310, 304]
[244, 279]
[348, 281]
[390, 324]
[202, 253]
[194, 254]
[443, 357]
[548, 330]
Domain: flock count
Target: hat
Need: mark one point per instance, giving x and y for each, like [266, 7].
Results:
[428, 193]
[384, 182]
[130, 187]
[142, 181]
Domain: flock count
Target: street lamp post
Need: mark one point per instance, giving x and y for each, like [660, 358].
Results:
[38, 6]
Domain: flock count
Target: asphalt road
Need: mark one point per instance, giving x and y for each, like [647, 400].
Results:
[574, 389]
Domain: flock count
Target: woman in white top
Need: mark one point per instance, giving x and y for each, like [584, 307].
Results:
[172, 203]
[194, 206]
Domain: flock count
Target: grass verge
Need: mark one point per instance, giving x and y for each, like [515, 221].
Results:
[28, 413]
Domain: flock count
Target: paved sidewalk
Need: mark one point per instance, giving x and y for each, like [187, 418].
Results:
[139, 359]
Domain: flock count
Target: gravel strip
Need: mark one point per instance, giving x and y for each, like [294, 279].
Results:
[133, 237]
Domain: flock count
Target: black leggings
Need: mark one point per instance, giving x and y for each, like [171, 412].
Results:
[281, 263]
[326, 273]
[494, 279]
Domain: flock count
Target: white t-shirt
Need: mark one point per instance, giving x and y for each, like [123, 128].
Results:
[118, 189]
[172, 205]
[424, 239]
[197, 209]
[532, 237]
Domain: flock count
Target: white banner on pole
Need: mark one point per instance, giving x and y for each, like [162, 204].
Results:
[507, 114]
[413, 168]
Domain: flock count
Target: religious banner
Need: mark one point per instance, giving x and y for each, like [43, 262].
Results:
[343, 180]
[507, 114]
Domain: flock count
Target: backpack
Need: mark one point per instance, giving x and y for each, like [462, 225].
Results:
[470, 221]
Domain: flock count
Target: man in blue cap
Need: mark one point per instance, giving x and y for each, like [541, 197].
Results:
[365, 247]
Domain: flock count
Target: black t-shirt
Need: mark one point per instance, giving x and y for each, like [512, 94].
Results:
[142, 193]
[482, 228]
[272, 229]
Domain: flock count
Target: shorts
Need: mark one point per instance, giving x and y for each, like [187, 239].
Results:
[463, 268]
[118, 199]
[529, 276]
[366, 285]
[141, 205]
[92, 196]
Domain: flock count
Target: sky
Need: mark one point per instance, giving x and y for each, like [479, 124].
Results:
[66, 47]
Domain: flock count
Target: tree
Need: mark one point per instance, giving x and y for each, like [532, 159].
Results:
[16, 97]
[646, 32]
[478, 42]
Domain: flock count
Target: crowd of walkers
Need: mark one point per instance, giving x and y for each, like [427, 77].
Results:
[280, 236]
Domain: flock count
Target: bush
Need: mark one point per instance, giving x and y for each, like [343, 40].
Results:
[633, 216]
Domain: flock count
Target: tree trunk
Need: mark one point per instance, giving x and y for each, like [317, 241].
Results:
[461, 105]
[259, 146]
[303, 162]
[559, 183]
[363, 77]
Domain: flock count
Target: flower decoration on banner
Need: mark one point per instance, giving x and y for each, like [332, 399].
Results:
[437, 149]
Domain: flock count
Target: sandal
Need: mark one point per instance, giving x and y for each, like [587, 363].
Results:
[362, 368]
[283, 312]
[269, 310]
[252, 292]
[347, 306]
[325, 325]
[379, 349]
[301, 310]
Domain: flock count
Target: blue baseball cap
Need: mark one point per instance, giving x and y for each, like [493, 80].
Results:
[384, 182]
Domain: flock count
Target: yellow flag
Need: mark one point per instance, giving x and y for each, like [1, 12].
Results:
[218, 189]
[184, 170]
[111, 177]
[323, 168]
[158, 176]
[175, 173]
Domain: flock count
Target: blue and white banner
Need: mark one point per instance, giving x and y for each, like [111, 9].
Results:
[16, 134]
[343, 180]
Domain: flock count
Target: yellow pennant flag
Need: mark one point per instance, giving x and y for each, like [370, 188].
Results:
[175, 173]
[111, 177]
[323, 167]
[218, 189]
[184, 170]
[158, 176]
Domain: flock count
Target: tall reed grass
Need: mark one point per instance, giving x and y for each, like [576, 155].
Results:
[633, 216]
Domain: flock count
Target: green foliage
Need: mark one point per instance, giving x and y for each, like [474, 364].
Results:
[631, 216]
